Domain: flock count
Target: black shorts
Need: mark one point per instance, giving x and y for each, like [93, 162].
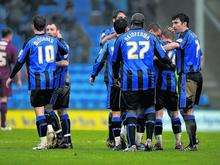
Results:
[113, 98]
[40, 98]
[166, 99]
[194, 82]
[60, 98]
[134, 100]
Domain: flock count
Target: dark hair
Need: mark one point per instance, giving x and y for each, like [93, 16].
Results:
[56, 24]
[137, 19]
[182, 17]
[154, 26]
[120, 25]
[6, 32]
[39, 22]
[115, 13]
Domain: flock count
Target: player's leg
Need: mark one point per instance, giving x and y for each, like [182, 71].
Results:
[116, 116]
[140, 128]
[158, 129]
[160, 97]
[4, 94]
[66, 128]
[150, 117]
[130, 101]
[172, 108]
[193, 91]
[40, 98]
[4, 109]
[110, 140]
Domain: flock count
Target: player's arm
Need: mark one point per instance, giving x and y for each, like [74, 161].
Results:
[179, 43]
[64, 62]
[13, 61]
[99, 63]
[161, 54]
[63, 47]
[22, 56]
[104, 39]
[116, 59]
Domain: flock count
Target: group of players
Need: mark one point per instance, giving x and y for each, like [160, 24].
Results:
[46, 57]
[148, 70]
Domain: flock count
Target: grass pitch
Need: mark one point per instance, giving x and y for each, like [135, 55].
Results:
[89, 148]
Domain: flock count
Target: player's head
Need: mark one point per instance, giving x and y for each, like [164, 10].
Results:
[7, 34]
[167, 35]
[120, 25]
[52, 29]
[118, 14]
[39, 23]
[137, 20]
[155, 29]
[180, 22]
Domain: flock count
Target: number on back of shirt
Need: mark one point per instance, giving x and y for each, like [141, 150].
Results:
[49, 54]
[2, 59]
[132, 52]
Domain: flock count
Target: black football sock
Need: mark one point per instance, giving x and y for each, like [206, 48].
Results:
[150, 118]
[176, 125]
[110, 132]
[158, 127]
[41, 124]
[131, 121]
[65, 124]
[4, 109]
[191, 127]
[116, 126]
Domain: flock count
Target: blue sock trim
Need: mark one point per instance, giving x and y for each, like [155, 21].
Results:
[116, 119]
[131, 115]
[149, 110]
[42, 117]
[158, 122]
[64, 117]
[176, 121]
[141, 116]
[189, 117]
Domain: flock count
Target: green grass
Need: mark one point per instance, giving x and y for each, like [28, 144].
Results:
[89, 148]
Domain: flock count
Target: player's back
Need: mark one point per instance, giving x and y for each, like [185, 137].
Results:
[137, 48]
[7, 57]
[41, 54]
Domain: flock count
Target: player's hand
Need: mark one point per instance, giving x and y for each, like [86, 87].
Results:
[59, 35]
[91, 80]
[8, 82]
[171, 29]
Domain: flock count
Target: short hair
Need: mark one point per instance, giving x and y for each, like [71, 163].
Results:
[182, 17]
[154, 26]
[6, 32]
[56, 24]
[39, 22]
[137, 19]
[116, 12]
[120, 25]
[168, 34]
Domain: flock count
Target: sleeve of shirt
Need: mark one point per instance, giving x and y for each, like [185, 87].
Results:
[161, 54]
[182, 42]
[63, 47]
[22, 56]
[103, 34]
[100, 61]
[116, 58]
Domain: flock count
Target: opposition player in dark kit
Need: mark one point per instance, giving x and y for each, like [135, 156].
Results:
[113, 90]
[60, 96]
[133, 56]
[39, 53]
[189, 58]
[8, 56]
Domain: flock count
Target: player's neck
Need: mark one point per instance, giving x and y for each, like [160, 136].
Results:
[185, 29]
[39, 32]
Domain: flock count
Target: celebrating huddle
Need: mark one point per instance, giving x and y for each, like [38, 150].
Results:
[147, 72]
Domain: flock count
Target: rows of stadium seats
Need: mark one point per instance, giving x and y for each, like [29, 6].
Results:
[83, 95]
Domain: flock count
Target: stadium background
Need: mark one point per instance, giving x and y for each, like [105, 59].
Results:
[81, 23]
